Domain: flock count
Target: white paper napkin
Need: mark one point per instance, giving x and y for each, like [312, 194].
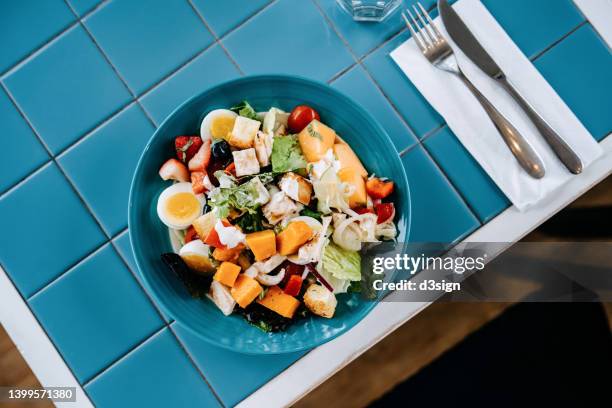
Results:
[599, 14]
[464, 115]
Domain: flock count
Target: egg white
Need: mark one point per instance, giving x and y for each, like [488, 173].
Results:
[184, 187]
[195, 247]
[210, 116]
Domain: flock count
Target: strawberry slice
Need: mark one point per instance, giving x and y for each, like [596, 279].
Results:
[197, 182]
[186, 147]
[173, 169]
[201, 158]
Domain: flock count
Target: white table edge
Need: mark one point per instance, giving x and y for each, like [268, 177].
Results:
[321, 363]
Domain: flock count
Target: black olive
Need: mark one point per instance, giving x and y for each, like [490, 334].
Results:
[197, 284]
[221, 151]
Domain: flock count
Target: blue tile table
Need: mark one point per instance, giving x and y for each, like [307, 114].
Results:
[84, 83]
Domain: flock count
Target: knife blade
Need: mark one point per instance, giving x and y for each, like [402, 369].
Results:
[463, 37]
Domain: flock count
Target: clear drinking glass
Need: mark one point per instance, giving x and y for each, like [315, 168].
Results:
[369, 10]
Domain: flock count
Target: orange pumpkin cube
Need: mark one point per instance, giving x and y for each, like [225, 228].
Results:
[245, 290]
[262, 244]
[280, 302]
[293, 237]
[227, 273]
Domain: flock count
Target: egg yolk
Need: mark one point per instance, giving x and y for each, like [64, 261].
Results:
[182, 206]
[221, 126]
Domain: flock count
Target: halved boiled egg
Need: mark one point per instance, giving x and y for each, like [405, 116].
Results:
[217, 124]
[178, 207]
[196, 255]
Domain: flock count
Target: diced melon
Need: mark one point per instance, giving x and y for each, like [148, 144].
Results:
[315, 140]
[293, 237]
[204, 224]
[348, 159]
[245, 290]
[353, 178]
[262, 243]
[227, 273]
[280, 302]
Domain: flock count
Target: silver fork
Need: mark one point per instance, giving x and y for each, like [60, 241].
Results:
[438, 52]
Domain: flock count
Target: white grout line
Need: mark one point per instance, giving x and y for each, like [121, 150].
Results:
[217, 41]
[54, 280]
[127, 354]
[193, 361]
[359, 62]
[39, 50]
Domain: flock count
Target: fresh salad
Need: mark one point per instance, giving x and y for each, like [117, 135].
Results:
[269, 212]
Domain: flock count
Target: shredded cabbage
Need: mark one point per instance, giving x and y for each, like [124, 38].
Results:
[329, 193]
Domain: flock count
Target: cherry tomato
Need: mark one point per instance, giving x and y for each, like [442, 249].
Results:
[384, 212]
[290, 270]
[294, 285]
[378, 188]
[213, 239]
[300, 117]
[363, 210]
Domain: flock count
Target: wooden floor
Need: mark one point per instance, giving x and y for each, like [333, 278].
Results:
[397, 357]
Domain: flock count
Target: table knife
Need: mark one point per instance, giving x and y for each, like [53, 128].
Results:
[467, 42]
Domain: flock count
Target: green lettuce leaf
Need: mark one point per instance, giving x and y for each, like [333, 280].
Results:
[243, 197]
[245, 109]
[287, 154]
[341, 263]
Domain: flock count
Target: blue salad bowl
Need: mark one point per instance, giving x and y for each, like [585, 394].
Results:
[150, 237]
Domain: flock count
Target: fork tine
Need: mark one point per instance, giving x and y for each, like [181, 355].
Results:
[417, 40]
[420, 35]
[426, 28]
[430, 21]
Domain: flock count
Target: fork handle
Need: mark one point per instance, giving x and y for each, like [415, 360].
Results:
[565, 153]
[518, 145]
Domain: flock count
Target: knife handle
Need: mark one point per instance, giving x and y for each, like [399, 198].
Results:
[518, 145]
[565, 153]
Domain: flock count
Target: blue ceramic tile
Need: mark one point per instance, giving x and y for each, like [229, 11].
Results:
[26, 26]
[208, 69]
[290, 37]
[146, 43]
[45, 229]
[224, 15]
[220, 367]
[579, 69]
[535, 25]
[125, 249]
[156, 374]
[20, 150]
[82, 7]
[101, 165]
[67, 89]
[438, 213]
[95, 313]
[365, 36]
[360, 87]
[482, 194]
[410, 103]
